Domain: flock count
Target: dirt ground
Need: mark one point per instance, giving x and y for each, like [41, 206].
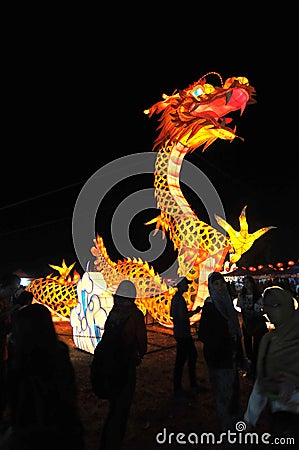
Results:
[153, 408]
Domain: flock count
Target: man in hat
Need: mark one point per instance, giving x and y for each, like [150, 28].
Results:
[185, 346]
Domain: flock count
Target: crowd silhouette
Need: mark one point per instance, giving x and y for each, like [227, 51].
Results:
[38, 392]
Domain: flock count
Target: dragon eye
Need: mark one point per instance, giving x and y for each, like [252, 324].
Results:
[197, 92]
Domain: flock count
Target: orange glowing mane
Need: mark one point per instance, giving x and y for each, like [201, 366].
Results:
[199, 111]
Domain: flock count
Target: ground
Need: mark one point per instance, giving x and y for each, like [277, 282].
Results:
[153, 408]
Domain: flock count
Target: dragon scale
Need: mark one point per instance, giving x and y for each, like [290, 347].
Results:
[153, 294]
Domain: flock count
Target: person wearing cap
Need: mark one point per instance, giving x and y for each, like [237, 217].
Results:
[185, 346]
[277, 382]
[220, 332]
[254, 324]
[125, 321]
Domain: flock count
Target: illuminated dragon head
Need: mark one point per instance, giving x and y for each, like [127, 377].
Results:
[197, 115]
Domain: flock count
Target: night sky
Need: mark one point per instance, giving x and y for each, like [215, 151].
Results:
[74, 108]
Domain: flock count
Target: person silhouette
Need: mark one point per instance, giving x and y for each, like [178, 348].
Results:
[220, 332]
[42, 394]
[185, 347]
[277, 381]
[253, 321]
[125, 322]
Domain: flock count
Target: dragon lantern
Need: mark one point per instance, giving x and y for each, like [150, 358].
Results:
[189, 119]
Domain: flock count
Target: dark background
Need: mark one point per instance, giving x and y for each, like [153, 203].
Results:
[76, 92]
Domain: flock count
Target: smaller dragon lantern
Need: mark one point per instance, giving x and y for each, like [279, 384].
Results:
[58, 293]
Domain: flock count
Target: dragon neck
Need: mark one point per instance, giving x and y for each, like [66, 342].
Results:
[175, 161]
[193, 239]
[167, 180]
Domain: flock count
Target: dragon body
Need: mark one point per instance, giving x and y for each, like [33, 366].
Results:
[192, 118]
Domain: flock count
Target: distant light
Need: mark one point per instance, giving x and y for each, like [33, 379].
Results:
[25, 281]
